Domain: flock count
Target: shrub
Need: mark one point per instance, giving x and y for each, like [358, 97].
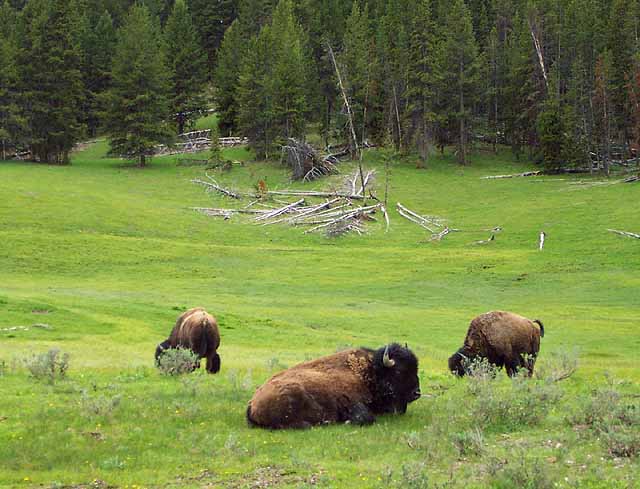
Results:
[622, 441]
[613, 418]
[521, 471]
[559, 365]
[50, 366]
[520, 402]
[411, 475]
[98, 406]
[469, 443]
[177, 361]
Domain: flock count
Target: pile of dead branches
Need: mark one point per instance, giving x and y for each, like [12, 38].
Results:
[338, 213]
[305, 163]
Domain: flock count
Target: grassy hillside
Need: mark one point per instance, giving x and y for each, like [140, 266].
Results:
[108, 255]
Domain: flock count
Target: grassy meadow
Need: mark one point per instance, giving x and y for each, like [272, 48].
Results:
[107, 255]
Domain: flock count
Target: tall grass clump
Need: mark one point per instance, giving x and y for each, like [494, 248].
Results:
[50, 366]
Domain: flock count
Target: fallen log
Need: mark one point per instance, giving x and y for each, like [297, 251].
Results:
[219, 212]
[360, 211]
[313, 193]
[214, 186]
[281, 210]
[440, 235]
[515, 175]
[422, 221]
[625, 233]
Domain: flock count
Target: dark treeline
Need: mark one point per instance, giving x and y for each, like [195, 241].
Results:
[558, 81]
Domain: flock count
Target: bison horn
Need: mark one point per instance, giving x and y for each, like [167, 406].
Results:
[386, 361]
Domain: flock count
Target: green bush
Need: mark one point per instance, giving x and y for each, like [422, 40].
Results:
[511, 405]
[177, 361]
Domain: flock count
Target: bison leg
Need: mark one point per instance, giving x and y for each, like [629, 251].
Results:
[360, 414]
[213, 363]
[513, 365]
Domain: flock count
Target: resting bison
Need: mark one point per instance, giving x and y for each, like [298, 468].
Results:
[502, 338]
[196, 330]
[350, 386]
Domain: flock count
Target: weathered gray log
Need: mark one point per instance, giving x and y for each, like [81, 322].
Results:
[422, 221]
[625, 233]
[213, 185]
[312, 193]
[515, 175]
[280, 211]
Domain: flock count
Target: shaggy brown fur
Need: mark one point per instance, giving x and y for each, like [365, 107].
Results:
[196, 330]
[504, 339]
[352, 385]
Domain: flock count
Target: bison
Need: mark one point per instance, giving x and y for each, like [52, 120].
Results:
[350, 386]
[504, 339]
[196, 330]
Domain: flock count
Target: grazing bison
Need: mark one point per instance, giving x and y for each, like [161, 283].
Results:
[503, 338]
[196, 330]
[350, 386]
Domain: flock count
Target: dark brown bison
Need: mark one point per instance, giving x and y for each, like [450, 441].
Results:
[504, 339]
[350, 386]
[196, 330]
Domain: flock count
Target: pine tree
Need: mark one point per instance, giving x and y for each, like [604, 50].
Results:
[11, 123]
[137, 103]
[273, 81]
[254, 95]
[215, 152]
[621, 45]
[603, 106]
[98, 45]
[458, 72]
[187, 67]
[290, 73]
[356, 70]
[521, 93]
[393, 43]
[420, 92]
[226, 77]
[50, 78]
[211, 20]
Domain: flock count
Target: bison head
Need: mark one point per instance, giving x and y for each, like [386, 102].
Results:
[396, 374]
[458, 363]
[165, 345]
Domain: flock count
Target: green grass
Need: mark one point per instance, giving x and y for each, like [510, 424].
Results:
[109, 255]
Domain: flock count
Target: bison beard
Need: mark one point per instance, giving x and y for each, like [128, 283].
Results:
[196, 330]
[504, 339]
[350, 386]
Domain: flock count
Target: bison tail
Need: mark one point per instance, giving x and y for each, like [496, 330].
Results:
[250, 422]
[541, 327]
